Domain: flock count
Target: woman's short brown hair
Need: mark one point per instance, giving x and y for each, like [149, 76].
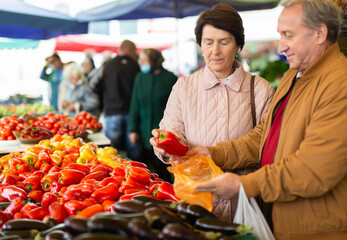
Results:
[224, 17]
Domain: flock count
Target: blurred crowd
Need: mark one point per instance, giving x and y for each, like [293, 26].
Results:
[128, 91]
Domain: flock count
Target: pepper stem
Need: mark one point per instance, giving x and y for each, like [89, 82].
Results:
[162, 136]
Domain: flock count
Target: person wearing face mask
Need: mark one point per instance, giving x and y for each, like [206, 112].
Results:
[52, 72]
[151, 90]
[219, 102]
[75, 94]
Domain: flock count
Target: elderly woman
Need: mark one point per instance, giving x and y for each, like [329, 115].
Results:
[151, 91]
[74, 93]
[221, 101]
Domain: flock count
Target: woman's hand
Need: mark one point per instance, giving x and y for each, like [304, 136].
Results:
[133, 137]
[226, 185]
[153, 141]
[174, 160]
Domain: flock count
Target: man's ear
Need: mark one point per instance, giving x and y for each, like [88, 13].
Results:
[322, 33]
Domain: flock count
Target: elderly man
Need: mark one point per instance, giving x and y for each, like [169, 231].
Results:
[301, 144]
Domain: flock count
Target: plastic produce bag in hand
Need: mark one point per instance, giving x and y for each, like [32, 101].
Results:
[249, 213]
[196, 169]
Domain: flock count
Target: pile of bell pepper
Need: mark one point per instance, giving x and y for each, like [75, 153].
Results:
[63, 176]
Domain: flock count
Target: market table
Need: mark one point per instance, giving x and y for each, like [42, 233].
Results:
[98, 138]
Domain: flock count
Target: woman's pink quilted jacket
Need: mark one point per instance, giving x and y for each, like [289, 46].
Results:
[206, 111]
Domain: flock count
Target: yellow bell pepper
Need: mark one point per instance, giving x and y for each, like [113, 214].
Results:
[104, 157]
[78, 142]
[30, 158]
[85, 155]
[111, 150]
[46, 143]
[58, 146]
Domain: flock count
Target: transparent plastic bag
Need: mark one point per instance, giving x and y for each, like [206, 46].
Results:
[196, 169]
[249, 214]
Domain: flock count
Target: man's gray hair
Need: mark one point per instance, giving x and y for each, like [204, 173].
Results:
[317, 12]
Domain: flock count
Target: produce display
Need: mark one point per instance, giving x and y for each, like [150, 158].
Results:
[24, 108]
[39, 127]
[65, 188]
[141, 217]
[80, 178]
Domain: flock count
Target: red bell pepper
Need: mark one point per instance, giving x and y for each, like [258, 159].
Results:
[72, 150]
[70, 176]
[165, 191]
[90, 211]
[32, 183]
[128, 197]
[11, 192]
[73, 207]
[157, 182]
[110, 192]
[108, 180]
[135, 164]
[23, 176]
[79, 167]
[9, 179]
[154, 176]
[18, 165]
[86, 188]
[90, 202]
[37, 213]
[99, 176]
[93, 182]
[45, 167]
[138, 174]
[119, 171]
[46, 181]
[168, 141]
[57, 211]
[36, 195]
[72, 194]
[48, 199]
[42, 158]
[27, 207]
[131, 191]
[39, 173]
[5, 216]
[108, 205]
[15, 206]
[55, 169]
[55, 160]
[131, 184]
[101, 167]
[56, 187]
[17, 215]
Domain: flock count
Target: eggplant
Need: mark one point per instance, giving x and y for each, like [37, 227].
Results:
[193, 212]
[27, 233]
[140, 229]
[175, 231]
[24, 224]
[129, 207]
[76, 225]
[58, 235]
[159, 216]
[145, 200]
[109, 225]
[60, 226]
[215, 225]
[99, 236]
[51, 222]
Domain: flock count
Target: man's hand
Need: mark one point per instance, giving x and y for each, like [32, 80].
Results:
[226, 185]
